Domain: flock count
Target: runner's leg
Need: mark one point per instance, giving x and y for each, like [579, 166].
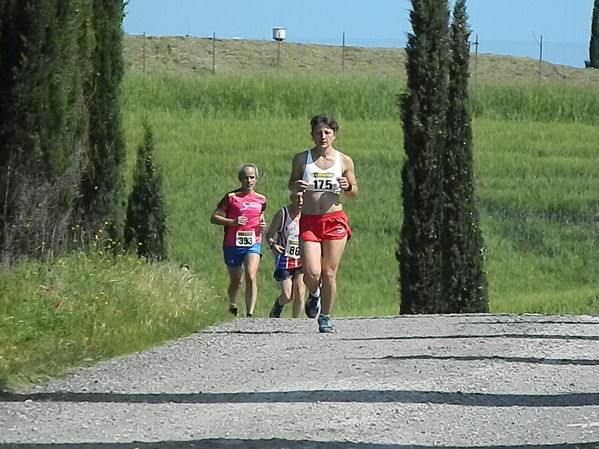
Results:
[311, 264]
[251, 262]
[332, 250]
[235, 275]
[286, 291]
[299, 293]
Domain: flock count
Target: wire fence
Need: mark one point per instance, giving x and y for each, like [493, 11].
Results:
[567, 53]
[572, 54]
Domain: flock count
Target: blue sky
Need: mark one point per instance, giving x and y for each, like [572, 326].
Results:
[507, 27]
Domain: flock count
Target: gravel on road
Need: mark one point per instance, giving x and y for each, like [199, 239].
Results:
[420, 381]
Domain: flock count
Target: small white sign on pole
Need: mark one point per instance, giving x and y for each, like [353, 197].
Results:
[279, 34]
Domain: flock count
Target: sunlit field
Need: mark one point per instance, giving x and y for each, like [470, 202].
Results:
[537, 174]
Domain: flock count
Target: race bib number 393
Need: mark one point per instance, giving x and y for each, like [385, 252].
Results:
[245, 238]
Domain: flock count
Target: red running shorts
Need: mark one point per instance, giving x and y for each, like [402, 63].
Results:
[316, 228]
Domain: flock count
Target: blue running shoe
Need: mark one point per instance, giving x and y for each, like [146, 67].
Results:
[312, 307]
[276, 310]
[324, 324]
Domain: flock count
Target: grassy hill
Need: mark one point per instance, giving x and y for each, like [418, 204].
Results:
[189, 56]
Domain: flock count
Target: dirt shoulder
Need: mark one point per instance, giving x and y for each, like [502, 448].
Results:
[396, 382]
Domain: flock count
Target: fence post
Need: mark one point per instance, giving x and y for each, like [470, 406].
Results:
[540, 59]
[475, 57]
[343, 53]
[214, 52]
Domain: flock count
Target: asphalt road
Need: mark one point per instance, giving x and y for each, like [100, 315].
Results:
[484, 381]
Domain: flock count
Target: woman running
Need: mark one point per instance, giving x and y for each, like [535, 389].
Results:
[322, 174]
[241, 212]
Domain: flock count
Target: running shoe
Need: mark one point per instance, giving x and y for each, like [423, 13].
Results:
[324, 324]
[276, 310]
[312, 307]
[233, 309]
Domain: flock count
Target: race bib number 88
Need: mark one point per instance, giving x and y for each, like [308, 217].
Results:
[293, 249]
[245, 238]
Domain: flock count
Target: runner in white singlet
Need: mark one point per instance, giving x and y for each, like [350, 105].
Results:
[322, 174]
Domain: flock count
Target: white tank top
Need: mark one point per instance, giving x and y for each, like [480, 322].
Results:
[289, 230]
[320, 180]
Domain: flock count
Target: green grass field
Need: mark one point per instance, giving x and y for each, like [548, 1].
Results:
[536, 180]
[537, 174]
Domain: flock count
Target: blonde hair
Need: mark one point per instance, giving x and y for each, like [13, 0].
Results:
[242, 168]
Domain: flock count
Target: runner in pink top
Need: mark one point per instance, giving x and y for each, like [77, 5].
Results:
[241, 204]
[241, 212]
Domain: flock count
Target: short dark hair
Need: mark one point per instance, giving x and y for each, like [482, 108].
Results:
[323, 119]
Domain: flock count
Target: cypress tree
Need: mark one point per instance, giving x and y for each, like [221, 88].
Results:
[424, 106]
[101, 186]
[464, 281]
[145, 227]
[594, 44]
[38, 168]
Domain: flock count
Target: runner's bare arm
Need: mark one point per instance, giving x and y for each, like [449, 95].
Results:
[348, 182]
[275, 225]
[296, 183]
[219, 217]
[263, 224]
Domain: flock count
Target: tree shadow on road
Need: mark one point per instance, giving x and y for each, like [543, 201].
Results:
[474, 358]
[275, 443]
[471, 336]
[303, 396]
